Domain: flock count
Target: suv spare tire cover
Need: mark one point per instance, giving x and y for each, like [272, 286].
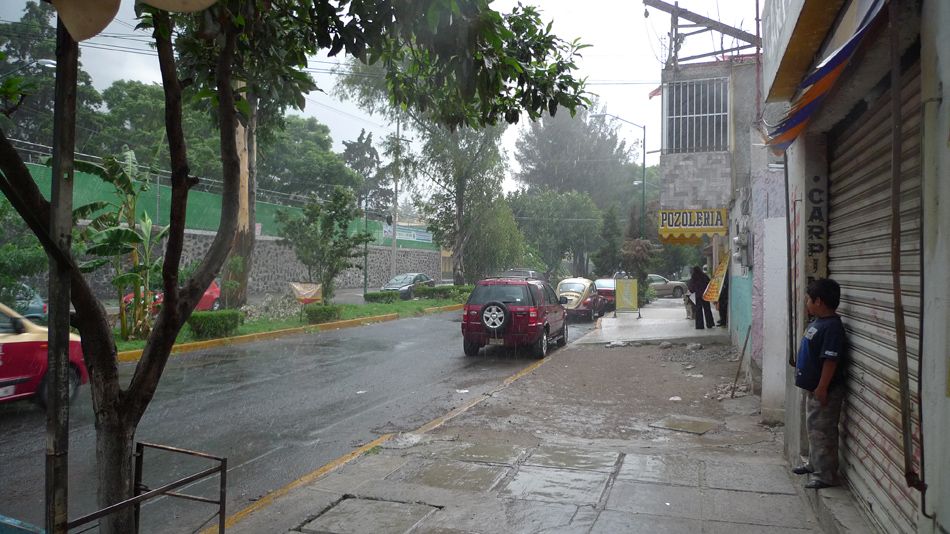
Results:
[495, 317]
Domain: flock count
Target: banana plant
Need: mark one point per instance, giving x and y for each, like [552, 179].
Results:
[113, 244]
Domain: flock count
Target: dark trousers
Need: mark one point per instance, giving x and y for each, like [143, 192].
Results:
[723, 311]
[703, 310]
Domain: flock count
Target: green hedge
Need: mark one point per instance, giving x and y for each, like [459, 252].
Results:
[444, 292]
[387, 297]
[317, 314]
[210, 325]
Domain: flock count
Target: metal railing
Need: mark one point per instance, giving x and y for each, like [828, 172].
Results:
[143, 492]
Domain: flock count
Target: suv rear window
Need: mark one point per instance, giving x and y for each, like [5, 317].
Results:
[516, 294]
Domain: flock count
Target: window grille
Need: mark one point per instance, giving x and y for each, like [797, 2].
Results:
[697, 116]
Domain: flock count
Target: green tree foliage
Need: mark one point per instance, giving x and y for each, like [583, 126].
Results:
[24, 42]
[465, 170]
[564, 153]
[320, 238]
[298, 160]
[498, 244]
[136, 117]
[376, 193]
[556, 224]
[20, 253]
[608, 258]
[463, 62]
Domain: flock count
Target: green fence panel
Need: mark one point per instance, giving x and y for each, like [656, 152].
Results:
[204, 209]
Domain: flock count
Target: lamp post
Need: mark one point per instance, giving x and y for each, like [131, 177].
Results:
[643, 188]
[47, 63]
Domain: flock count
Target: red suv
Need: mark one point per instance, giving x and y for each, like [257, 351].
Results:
[509, 311]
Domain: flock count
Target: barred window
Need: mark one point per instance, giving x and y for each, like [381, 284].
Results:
[697, 116]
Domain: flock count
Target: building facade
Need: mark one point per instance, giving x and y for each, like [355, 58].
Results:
[867, 159]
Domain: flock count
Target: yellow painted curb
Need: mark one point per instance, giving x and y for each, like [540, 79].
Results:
[267, 499]
[134, 355]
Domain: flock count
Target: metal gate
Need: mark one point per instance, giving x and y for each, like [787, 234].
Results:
[859, 241]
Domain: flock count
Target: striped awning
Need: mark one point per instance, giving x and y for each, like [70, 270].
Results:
[687, 227]
[816, 85]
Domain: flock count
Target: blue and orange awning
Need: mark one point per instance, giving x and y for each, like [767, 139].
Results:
[816, 85]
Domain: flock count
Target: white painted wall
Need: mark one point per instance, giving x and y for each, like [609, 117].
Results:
[775, 321]
[935, 77]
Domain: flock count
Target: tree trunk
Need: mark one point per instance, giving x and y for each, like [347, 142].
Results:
[114, 448]
[234, 292]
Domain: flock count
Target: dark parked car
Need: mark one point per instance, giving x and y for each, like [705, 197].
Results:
[23, 351]
[513, 311]
[30, 305]
[406, 283]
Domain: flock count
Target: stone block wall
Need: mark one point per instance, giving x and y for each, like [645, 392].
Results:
[275, 266]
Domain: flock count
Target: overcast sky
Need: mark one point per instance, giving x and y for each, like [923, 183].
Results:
[621, 67]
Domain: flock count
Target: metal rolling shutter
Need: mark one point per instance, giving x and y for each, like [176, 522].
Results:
[859, 259]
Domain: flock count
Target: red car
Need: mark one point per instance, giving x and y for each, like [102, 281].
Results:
[210, 301]
[23, 360]
[510, 311]
[607, 287]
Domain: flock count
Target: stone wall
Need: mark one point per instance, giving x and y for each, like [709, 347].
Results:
[275, 266]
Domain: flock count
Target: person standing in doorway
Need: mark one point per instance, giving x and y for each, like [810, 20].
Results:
[723, 303]
[820, 372]
[697, 285]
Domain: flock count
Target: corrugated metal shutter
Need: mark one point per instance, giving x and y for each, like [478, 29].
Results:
[859, 259]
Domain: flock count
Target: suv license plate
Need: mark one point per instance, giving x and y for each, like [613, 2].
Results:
[496, 341]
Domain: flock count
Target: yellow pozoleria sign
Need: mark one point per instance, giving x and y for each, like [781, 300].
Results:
[687, 227]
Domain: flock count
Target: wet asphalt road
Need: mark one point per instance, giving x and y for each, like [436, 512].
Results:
[277, 410]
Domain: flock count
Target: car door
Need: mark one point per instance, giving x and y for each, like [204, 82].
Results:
[555, 312]
[18, 363]
[660, 285]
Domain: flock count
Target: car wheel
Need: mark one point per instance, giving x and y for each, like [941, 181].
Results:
[563, 340]
[216, 305]
[495, 317]
[42, 392]
[677, 292]
[541, 345]
[471, 348]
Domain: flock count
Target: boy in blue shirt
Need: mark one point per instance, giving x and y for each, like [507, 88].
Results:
[820, 372]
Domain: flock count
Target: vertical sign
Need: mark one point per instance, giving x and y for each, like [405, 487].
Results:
[816, 227]
[627, 295]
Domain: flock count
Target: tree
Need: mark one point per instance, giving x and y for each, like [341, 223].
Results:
[320, 239]
[376, 193]
[469, 65]
[607, 259]
[556, 224]
[466, 170]
[497, 245]
[298, 160]
[24, 42]
[20, 253]
[564, 153]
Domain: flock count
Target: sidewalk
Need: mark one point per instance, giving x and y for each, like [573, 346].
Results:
[593, 439]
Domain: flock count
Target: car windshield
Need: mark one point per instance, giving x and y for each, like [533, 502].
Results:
[509, 294]
[605, 283]
[573, 286]
[401, 279]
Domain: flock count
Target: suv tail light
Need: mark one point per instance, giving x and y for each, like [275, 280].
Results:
[532, 316]
[465, 311]
[44, 308]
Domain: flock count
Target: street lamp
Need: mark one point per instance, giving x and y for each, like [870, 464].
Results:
[47, 63]
[643, 196]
